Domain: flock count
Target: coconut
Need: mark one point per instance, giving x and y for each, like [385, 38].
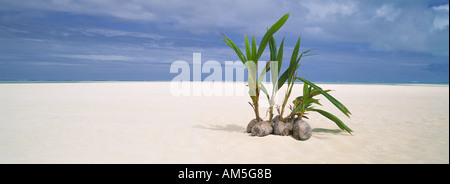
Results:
[250, 125]
[280, 127]
[302, 131]
[261, 128]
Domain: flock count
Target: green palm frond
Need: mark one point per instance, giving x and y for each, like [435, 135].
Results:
[335, 102]
[333, 118]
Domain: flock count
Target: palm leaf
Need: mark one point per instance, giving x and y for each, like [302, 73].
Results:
[274, 75]
[263, 72]
[269, 33]
[289, 73]
[280, 56]
[305, 90]
[255, 58]
[273, 49]
[294, 62]
[316, 101]
[314, 92]
[283, 78]
[297, 63]
[333, 118]
[297, 109]
[252, 80]
[264, 90]
[247, 48]
[235, 48]
[335, 102]
[295, 53]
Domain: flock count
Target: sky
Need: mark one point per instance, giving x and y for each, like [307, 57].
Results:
[355, 40]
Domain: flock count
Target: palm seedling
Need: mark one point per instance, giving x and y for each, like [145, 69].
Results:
[276, 59]
[303, 104]
[253, 53]
[290, 74]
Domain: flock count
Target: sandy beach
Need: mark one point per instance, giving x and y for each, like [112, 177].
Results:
[142, 122]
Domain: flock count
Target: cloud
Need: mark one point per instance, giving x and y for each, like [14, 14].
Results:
[405, 26]
[97, 57]
[441, 19]
[4, 29]
[116, 33]
[115, 8]
[444, 7]
[388, 12]
[328, 9]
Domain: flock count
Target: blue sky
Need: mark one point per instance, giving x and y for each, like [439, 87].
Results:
[357, 41]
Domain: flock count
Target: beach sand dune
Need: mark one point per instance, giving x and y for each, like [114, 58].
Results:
[142, 122]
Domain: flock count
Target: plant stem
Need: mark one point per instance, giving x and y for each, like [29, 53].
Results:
[286, 98]
[256, 104]
[270, 114]
[287, 117]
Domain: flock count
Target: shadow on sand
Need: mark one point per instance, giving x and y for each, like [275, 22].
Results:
[237, 128]
[228, 128]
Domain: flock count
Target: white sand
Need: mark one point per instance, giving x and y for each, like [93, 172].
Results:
[141, 122]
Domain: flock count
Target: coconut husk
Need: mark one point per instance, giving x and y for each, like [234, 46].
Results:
[281, 127]
[301, 130]
[261, 128]
[250, 125]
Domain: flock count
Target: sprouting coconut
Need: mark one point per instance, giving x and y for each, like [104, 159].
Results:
[250, 125]
[301, 131]
[261, 128]
[281, 127]
[302, 105]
